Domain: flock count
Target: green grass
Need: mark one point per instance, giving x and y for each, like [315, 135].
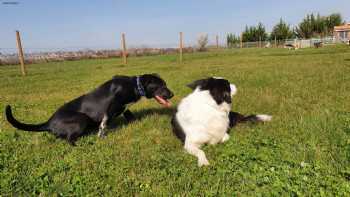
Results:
[304, 151]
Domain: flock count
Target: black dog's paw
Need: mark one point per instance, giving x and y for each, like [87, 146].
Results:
[72, 143]
[129, 116]
[102, 135]
[130, 120]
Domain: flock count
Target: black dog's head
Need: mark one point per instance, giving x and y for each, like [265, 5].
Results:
[155, 87]
[220, 89]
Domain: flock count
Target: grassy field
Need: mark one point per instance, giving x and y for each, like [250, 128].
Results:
[305, 150]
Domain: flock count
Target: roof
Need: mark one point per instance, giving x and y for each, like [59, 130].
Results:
[345, 27]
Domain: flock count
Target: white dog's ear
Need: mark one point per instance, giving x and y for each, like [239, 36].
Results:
[233, 89]
[198, 83]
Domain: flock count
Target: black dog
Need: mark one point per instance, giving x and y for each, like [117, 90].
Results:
[73, 119]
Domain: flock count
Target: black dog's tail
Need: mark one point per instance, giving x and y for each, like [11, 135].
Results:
[236, 118]
[22, 126]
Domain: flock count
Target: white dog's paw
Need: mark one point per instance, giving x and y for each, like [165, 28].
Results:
[203, 162]
[225, 138]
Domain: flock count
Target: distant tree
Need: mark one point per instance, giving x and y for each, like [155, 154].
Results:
[232, 40]
[319, 26]
[247, 34]
[202, 42]
[281, 31]
[331, 21]
[312, 26]
[261, 32]
[305, 28]
[254, 33]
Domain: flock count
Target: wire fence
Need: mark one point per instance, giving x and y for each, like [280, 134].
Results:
[9, 56]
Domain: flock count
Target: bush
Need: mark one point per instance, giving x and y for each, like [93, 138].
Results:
[202, 42]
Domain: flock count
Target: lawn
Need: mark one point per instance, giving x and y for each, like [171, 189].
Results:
[304, 151]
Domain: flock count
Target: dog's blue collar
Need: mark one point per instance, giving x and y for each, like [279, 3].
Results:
[140, 87]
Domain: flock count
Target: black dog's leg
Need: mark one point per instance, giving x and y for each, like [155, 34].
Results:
[77, 130]
[129, 116]
[113, 110]
[103, 125]
[69, 125]
[72, 139]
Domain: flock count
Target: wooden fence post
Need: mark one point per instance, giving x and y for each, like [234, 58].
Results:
[275, 41]
[20, 53]
[217, 41]
[125, 61]
[260, 42]
[181, 46]
[241, 40]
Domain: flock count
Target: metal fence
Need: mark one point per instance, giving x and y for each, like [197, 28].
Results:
[296, 43]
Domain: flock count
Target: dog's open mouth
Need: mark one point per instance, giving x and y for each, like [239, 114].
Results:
[162, 101]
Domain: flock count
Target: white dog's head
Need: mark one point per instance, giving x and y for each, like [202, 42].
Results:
[220, 89]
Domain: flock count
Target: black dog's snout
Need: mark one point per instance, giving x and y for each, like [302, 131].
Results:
[171, 94]
[165, 93]
[168, 93]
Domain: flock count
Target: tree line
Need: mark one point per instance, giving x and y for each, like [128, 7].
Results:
[311, 26]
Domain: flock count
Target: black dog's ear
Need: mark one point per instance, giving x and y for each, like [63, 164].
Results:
[201, 83]
[116, 76]
[156, 75]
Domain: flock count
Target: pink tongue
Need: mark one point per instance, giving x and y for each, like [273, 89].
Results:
[162, 101]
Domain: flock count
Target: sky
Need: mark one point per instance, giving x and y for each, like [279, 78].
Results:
[99, 23]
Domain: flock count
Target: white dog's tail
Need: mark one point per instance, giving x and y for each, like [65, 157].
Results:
[263, 117]
[238, 118]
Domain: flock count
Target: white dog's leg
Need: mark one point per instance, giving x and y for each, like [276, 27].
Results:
[225, 138]
[101, 132]
[194, 149]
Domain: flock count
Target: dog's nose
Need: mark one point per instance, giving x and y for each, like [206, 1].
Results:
[171, 94]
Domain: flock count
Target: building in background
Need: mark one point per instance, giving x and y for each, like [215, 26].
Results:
[342, 33]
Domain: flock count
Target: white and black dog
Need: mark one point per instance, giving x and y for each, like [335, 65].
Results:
[94, 109]
[204, 116]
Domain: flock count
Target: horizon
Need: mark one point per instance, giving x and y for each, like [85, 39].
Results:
[63, 25]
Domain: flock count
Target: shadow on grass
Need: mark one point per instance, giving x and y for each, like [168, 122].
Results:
[120, 121]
